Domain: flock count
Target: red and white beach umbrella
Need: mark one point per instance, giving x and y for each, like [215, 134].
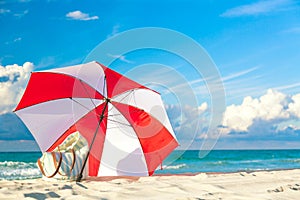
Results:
[124, 122]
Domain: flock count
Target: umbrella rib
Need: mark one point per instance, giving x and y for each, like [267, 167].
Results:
[88, 94]
[134, 100]
[131, 91]
[122, 99]
[104, 85]
[122, 114]
[109, 110]
[84, 106]
[119, 122]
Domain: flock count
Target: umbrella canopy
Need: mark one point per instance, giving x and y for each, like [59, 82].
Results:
[124, 122]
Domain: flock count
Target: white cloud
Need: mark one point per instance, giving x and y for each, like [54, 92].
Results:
[17, 39]
[290, 86]
[188, 122]
[120, 57]
[231, 81]
[115, 30]
[264, 113]
[18, 15]
[21, 14]
[3, 11]
[238, 74]
[294, 106]
[13, 41]
[13, 80]
[78, 15]
[203, 107]
[261, 7]
[295, 30]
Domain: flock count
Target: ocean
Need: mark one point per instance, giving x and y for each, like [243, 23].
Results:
[22, 165]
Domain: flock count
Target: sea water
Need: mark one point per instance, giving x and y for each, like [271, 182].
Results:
[180, 162]
[22, 165]
[19, 165]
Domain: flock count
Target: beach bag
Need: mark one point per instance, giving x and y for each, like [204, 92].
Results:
[66, 160]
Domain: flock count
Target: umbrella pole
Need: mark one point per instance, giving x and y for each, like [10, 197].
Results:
[95, 134]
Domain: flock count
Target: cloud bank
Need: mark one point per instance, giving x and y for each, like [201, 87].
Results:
[78, 15]
[263, 115]
[189, 123]
[13, 80]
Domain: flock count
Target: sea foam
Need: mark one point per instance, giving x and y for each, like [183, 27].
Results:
[10, 170]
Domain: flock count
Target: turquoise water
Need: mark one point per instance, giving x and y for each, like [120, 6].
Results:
[230, 161]
[19, 165]
[22, 165]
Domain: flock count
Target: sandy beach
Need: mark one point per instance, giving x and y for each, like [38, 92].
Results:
[283, 184]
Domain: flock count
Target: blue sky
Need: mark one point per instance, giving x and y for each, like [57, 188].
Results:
[254, 44]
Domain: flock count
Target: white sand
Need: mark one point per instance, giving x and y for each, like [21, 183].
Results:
[256, 185]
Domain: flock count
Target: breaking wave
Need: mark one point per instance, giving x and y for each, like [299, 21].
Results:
[175, 166]
[10, 170]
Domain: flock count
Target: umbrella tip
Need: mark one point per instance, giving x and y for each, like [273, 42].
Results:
[106, 99]
[79, 178]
